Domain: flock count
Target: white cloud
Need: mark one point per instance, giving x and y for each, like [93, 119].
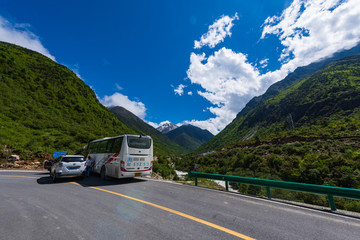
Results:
[179, 90]
[223, 73]
[76, 70]
[229, 82]
[217, 32]
[164, 122]
[309, 31]
[190, 93]
[118, 99]
[118, 87]
[263, 63]
[154, 125]
[313, 29]
[20, 34]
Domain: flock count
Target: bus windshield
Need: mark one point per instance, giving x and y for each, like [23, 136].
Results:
[139, 142]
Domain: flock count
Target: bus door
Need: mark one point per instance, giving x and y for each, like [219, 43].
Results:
[114, 149]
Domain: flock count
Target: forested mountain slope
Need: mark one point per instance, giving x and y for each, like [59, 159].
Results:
[309, 133]
[189, 137]
[332, 92]
[45, 107]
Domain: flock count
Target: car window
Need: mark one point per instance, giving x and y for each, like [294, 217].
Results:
[72, 159]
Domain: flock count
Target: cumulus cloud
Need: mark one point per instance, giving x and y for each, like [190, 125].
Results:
[223, 73]
[118, 99]
[309, 30]
[228, 80]
[179, 90]
[217, 32]
[20, 34]
[313, 29]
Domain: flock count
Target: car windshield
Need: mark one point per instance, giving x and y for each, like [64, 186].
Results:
[72, 159]
[139, 142]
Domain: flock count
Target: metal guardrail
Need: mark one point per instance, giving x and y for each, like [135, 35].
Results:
[330, 191]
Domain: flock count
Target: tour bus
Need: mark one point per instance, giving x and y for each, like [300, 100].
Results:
[124, 156]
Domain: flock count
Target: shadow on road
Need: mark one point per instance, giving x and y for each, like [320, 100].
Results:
[42, 173]
[92, 181]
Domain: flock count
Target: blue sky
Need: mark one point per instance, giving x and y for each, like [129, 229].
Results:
[195, 62]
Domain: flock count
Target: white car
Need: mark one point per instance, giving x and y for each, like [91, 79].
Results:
[68, 166]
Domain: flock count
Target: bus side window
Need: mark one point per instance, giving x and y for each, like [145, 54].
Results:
[109, 145]
[102, 146]
[117, 145]
[92, 147]
[95, 147]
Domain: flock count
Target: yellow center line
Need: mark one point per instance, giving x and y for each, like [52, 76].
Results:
[160, 207]
[177, 213]
[18, 176]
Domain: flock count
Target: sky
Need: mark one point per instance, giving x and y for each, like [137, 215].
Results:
[187, 62]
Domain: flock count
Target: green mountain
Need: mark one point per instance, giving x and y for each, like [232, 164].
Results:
[306, 102]
[162, 144]
[307, 133]
[189, 137]
[45, 107]
[294, 77]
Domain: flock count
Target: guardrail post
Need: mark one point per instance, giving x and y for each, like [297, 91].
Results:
[227, 185]
[196, 183]
[331, 202]
[268, 192]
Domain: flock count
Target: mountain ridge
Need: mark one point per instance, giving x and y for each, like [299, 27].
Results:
[162, 144]
[166, 127]
[189, 136]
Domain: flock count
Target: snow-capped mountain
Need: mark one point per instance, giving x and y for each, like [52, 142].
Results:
[166, 127]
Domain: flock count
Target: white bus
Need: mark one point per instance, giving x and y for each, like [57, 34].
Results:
[123, 156]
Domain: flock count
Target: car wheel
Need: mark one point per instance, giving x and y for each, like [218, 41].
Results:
[103, 173]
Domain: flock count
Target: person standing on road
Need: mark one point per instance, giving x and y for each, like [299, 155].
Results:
[88, 167]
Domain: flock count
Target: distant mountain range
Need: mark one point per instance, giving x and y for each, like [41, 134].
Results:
[182, 139]
[45, 107]
[162, 144]
[166, 127]
[189, 137]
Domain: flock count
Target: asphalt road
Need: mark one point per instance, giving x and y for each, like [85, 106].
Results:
[33, 207]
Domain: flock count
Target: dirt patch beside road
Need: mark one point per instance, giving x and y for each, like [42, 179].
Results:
[22, 165]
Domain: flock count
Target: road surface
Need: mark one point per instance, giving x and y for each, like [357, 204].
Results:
[33, 207]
